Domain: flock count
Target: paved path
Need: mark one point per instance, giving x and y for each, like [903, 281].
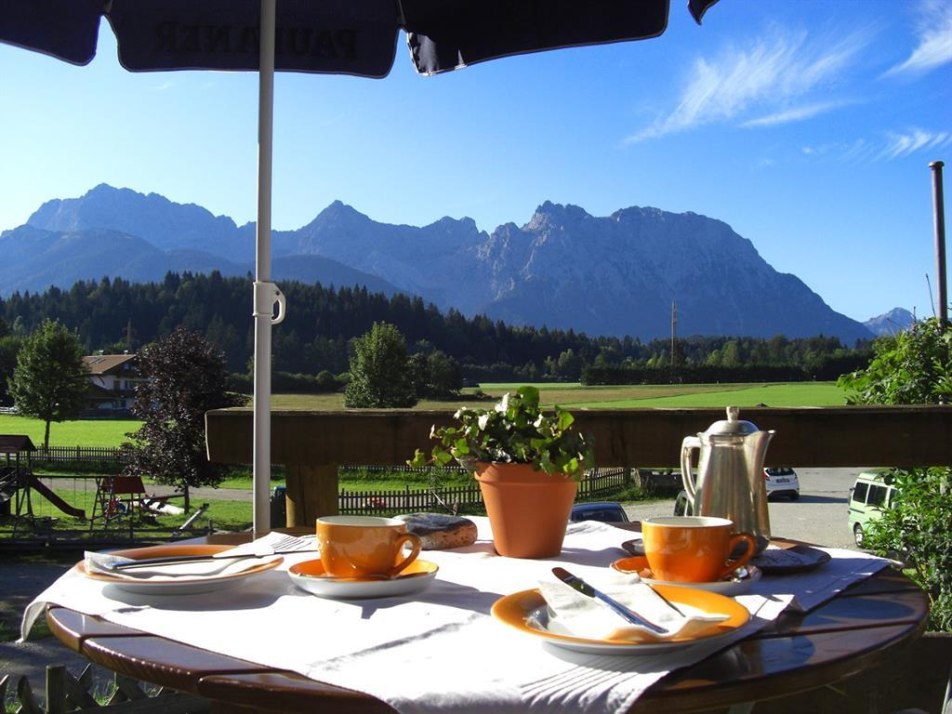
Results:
[20, 582]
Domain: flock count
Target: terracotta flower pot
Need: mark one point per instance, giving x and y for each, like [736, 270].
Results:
[528, 509]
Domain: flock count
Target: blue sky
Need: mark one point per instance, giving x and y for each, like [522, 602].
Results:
[806, 125]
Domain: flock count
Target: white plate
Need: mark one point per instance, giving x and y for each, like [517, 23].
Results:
[183, 585]
[730, 587]
[310, 576]
[528, 612]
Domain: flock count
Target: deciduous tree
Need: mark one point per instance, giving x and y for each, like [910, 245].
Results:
[50, 378]
[380, 374]
[185, 377]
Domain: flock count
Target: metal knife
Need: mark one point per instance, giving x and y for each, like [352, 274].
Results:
[630, 615]
[184, 559]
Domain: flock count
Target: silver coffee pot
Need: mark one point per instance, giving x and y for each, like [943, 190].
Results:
[730, 476]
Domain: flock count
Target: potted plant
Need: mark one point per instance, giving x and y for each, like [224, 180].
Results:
[528, 464]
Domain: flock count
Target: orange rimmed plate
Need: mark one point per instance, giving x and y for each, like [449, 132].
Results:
[177, 585]
[310, 576]
[528, 612]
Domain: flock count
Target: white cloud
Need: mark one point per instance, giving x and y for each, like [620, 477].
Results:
[777, 71]
[915, 139]
[894, 145]
[934, 31]
[785, 116]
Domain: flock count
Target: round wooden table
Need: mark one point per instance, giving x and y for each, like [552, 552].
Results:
[860, 628]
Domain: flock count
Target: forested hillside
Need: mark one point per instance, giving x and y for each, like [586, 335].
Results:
[116, 315]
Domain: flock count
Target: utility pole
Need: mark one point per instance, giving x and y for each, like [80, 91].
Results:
[939, 212]
[674, 334]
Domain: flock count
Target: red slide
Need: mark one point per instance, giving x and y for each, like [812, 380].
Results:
[50, 496]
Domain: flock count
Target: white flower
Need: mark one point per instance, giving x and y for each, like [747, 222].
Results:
[502, 405]
[483, 421]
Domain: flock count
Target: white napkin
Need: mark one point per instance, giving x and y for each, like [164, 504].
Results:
[587, 617]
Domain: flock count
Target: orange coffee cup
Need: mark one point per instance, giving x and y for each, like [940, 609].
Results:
[694, 549]
[365, 546]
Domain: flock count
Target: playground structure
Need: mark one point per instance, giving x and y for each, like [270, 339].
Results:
[18, 483]
[117, 497]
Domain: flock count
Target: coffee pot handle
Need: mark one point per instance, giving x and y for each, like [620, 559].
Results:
[687, 476]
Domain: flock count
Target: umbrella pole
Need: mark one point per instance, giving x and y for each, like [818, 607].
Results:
[265, 292]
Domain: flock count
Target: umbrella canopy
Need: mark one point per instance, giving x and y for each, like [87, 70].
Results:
[356, 37]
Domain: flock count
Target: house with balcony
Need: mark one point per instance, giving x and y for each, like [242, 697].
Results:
[112, 384]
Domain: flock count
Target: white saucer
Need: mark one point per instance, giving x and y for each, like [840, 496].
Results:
[729, 586]
[310, 576]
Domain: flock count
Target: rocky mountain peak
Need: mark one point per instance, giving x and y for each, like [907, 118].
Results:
[563, 269]
[892, 322]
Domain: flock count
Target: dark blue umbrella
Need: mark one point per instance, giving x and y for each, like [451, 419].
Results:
[357, 37]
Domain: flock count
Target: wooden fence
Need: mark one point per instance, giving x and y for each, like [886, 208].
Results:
[459, 499]
[66, 693]
[81, 454]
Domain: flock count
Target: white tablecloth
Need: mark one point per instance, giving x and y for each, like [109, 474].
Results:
[438, 650]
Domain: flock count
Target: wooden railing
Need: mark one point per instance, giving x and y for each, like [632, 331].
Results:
[311, 444]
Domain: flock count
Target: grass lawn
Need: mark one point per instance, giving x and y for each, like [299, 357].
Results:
[797, 394]
[792, 394]
[104, 432]
[81, 432]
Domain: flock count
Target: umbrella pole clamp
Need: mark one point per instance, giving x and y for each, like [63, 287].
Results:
[266, 296]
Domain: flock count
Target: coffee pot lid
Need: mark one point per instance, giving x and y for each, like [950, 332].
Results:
[732, 426]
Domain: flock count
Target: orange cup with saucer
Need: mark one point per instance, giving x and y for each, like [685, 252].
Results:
[365, 546]
[694, 549]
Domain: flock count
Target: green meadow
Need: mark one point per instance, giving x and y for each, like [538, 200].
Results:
[81, 432]
[110, 433]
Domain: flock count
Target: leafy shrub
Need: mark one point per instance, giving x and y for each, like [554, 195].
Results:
[915, 367]
[916, 530]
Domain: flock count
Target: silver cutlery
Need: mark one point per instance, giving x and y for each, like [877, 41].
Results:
[283, 546]
[627, 613]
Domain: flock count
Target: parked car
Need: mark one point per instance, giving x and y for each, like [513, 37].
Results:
[682, 506]
[605, 511]
[782, 481]
[870, 496]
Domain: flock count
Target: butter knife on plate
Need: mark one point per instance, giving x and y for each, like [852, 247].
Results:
[576, 583]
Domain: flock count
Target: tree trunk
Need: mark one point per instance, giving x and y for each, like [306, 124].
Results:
[46, 437]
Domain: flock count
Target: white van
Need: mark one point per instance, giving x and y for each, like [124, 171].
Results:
[872, 494]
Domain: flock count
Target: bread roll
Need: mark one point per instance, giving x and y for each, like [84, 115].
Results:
[439, 531]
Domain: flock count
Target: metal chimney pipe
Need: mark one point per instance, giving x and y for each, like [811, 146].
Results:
[939, 212]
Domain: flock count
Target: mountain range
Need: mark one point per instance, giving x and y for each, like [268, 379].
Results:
[618, 275]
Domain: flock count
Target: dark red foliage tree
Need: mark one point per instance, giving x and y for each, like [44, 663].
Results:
[185, 377]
